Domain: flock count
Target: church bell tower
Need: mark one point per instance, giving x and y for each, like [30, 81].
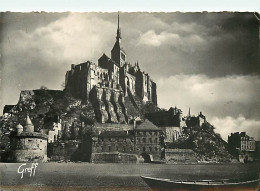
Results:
[117, 52]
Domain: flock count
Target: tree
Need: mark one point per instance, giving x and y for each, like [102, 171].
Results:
[66, 133]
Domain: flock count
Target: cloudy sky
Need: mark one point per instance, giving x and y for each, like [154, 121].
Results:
[206, 61]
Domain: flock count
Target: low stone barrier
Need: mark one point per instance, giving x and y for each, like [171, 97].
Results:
[114, 157]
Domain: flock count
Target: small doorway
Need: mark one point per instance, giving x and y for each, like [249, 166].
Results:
[147, 158]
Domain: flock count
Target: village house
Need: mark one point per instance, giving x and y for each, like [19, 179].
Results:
[242, 146]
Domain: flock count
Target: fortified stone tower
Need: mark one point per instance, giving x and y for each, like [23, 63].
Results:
[27, 145]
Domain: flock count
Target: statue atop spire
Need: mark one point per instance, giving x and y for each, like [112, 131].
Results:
[118, 33]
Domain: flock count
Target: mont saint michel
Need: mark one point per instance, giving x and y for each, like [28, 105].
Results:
[130, 88]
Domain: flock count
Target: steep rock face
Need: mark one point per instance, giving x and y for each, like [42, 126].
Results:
[98, 104]
[121, 116]
[109, 106]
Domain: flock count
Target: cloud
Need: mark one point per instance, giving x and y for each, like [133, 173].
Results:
[211, 44]
[41, 56]
[150, 38]
[37, 49]
[230, 103]
[228, 124]
[188, 43]
[222, 96]
[61, 40]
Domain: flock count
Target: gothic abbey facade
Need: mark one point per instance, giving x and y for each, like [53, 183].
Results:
[114, 75]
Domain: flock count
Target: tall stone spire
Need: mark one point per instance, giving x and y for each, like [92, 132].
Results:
[189, 112]
[117, 52]
[118, 33]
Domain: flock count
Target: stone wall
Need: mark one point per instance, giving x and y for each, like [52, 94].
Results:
[28, 149]
[180, 156]
[28, 156]
[111, 141]
[148, 142]
[171, 134]
[115, 157]
[154, 93]
[63, 150]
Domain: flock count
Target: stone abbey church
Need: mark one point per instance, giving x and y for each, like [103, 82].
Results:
[107, 83]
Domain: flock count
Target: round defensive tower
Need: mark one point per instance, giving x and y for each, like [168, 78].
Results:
[27, 145]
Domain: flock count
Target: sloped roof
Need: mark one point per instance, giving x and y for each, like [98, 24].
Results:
[147, 125]
[113, 126]
[114, 134]
[104, 56]
[117, 46]
[19, 126]
[28, 121]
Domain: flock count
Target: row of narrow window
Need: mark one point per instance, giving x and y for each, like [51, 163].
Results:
[150, 149]
[148, 140]
[109, 148]
[139, 140]
[247, 147]
[113, 139]
[147, 133]
[115, 149]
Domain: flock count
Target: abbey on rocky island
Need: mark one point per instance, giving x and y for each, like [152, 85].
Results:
[114, 75]
[107, 113]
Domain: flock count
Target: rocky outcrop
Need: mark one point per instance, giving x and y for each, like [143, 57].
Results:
[26, 101]
[112, 117]
[98, 104]
[207, 145]
[110, 106]
[121, 116]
